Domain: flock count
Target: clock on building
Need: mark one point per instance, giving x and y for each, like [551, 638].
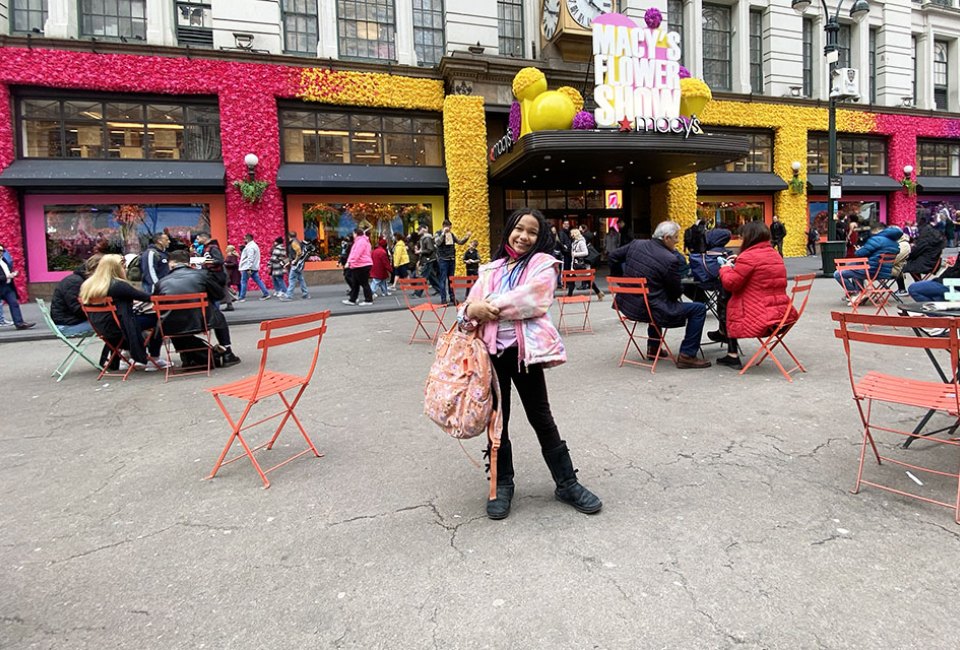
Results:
[584, 11]
[550, 18]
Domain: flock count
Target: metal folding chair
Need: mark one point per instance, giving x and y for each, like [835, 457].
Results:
[638, 287]
[575, 307]
[114, 342]
[170, 305]
[461, 282]
[267, 383]
[952, 286]
[425, 313]
[880, 289]
[799, 295]
[874, 386]
[77, 344]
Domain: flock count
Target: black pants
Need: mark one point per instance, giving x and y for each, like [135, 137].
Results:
[532, 389]
[360, 279]
[593, 286]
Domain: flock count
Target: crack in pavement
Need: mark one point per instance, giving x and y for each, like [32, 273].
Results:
[674, 568]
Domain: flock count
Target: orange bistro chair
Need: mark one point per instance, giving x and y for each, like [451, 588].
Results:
[878, 386]
[267, 383]
[163, 305]
[461, 282]
[637, 287]
[881, 289]
[855, 297]
[117, 353]
[575, 306]
[425, 313]
[799, 295]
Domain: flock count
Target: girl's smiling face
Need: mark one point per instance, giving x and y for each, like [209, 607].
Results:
[524, 235]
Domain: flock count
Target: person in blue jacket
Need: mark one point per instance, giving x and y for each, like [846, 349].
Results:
[882, 240]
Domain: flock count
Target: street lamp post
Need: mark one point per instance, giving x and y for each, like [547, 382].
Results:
[831, 51]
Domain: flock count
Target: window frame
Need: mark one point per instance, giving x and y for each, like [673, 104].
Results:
[315, 17]
[807, 56]
[143, 100]
[44, 12]
[502, 21]
[425, 30]
[718, 80]
[351, 116]
[675, 23]
[944, 153]
[941, 91]
[873, 35]
[755, 155]
[81, 14]
[848, 145]
[199, 36]
[344, 23]
[756, 51]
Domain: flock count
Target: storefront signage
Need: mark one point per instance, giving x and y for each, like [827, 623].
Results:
[501, 146]
[683, 125]
[636, 74]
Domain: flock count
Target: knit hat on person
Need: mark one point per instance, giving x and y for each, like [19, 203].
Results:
[718, 237]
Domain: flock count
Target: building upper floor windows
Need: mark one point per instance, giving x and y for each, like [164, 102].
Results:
[675, 23]
[367, 29]
[717, 46]
[114, 19]
[938, 157]
[428, 40]
[807, 57]
[338, 137]
[300, 27]
[194, 23]
[941, 75]
[510, 27]
[28, 16]
[855, 154]
[51, 127]
[760, 158]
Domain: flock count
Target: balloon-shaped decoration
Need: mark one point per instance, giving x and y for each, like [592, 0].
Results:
[652, 17]
[551, 110]
[527, 85]
[684, 73]
[584, 121]
[694, 95]
[574, 96]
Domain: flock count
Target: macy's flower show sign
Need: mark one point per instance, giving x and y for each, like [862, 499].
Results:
[637, 76]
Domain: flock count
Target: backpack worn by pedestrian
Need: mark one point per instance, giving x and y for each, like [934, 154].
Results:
[460, 390]
[134, 272]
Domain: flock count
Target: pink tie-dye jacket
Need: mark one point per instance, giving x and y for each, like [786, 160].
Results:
[538, 341]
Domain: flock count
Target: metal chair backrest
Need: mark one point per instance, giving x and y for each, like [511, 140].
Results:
[284, 331]
[629, 287]
[101, 306]
[465, 282]
[409, 286]
[48, 319]
[186, 301]
[802, 284]
[577, 275]
[853, 264]
[885, 260]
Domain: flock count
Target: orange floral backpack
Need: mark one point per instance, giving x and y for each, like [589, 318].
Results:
[460, 390]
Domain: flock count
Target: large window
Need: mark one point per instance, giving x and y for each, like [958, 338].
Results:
[843, 47]
[28, 15]
[675, 22]
[730, 214]
[913, 67]
[94, 128]
[121, 19]
[428, 31]
[367, 29]
[300, 35]
[872, 45]
[555, 199]
[855, 154]
[194, 23]
[717, 47]
[756, 52]
[334, 137]
[510, 27]
[77, 231]
[808, 57]
[869, 213]
[941, 76]
[760, 158]
[938, 157]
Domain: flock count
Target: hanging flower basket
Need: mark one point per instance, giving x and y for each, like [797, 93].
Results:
[321, 213]
[251, 191]
[910, 186]
[796, 185]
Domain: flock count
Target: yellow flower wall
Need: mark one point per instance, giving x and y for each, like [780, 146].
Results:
[465, 149]
[370, 89]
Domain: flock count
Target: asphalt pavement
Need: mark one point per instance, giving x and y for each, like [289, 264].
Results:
[727, 521]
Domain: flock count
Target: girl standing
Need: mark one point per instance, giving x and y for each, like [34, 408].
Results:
[509, 304]
[279, 262]
[401, 259]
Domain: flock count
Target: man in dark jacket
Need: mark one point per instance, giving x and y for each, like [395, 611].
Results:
[566, 244]
[657, 260]
[925, 252]
[447, 243]
[695, 237]
[778, 232]
[883, 240]
[183, 280]
[154, 263]
[213, 262]
[65, 309]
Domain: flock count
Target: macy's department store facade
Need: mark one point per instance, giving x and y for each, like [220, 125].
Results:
[98, 150]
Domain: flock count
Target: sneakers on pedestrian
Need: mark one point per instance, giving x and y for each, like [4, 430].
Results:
[717, 336]
[25, 326]
[266, 297]
[242, 300]
[228, 308]
[364, 303]
[283, 297]
[730, 362]
[5, 323]
[686, 362]
[349, 302]
[154, 365]
[229, 358]
[124, 366]
[306, 296]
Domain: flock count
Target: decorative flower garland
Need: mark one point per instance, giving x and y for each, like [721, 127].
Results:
[370, 89]
[465, 149]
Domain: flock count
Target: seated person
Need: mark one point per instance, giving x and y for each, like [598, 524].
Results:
[883, 240]
[925, 251]
[65, 309]
[656, 260]
[933, 290]
[184, 279]
[756, 282]
[109, 279]
[705, 267]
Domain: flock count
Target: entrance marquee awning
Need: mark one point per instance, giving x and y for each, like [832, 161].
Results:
[938, 184]
[301, 176]
[612, 159]
[859, 183]
[739, 182]
[113, 174]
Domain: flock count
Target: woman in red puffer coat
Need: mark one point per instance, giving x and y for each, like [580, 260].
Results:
[757, 288]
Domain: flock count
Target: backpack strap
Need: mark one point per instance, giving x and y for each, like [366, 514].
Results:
[493, 433]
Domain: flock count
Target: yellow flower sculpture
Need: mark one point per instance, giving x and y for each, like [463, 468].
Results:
[465, 148]
[370, 89]
[527, 85]
[574, 96]
[694, 95]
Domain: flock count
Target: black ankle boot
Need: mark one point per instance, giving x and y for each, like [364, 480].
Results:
[499, 508]
[569, 489]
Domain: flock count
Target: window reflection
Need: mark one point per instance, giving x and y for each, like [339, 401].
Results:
[730, 214]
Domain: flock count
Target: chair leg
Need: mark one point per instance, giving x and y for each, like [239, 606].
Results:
[235, 435]
[290, 414]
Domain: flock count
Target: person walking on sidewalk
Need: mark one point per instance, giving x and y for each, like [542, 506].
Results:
[447, 258]
[304, 251]
[360, 261]
[510, 305]
[401, 259]
[279, 262]
[778, 232]
[8, 292]
[579, 254]
[250, 268]
[381, 269]
[427, 251]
